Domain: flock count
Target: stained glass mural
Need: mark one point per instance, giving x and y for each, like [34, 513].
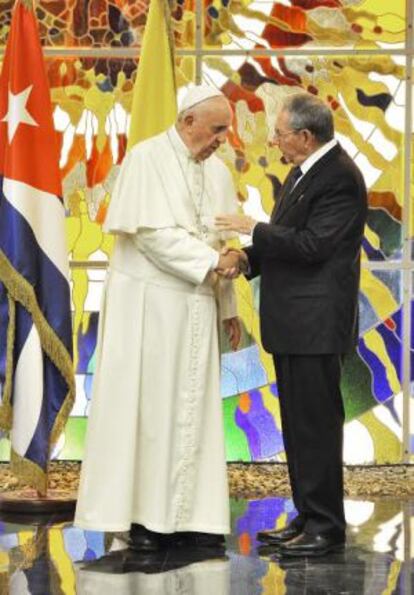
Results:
[289, 24]
[100, 24]
[257, 53]
[366, 95]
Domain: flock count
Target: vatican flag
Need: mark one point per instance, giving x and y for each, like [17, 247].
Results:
[154, 104]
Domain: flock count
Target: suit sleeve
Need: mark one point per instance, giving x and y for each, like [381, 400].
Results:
[253, 256]
[337, 213]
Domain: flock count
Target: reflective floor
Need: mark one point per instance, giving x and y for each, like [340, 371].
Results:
[56, 558]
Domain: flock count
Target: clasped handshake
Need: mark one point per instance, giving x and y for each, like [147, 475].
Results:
[231, 263]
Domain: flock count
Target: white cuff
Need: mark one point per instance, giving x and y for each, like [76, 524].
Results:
[215, 257]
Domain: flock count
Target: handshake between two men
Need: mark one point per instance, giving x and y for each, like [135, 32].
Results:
[232, 262]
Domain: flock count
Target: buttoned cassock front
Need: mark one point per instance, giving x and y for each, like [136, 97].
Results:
[155, 447]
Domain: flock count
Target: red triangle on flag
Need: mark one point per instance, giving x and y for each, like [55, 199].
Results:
[29, 149]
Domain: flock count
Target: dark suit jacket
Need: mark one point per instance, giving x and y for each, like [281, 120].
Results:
[308, 257]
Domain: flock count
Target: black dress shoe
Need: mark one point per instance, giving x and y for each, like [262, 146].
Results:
[197, 539]
[124, 561]
[312, 545]
[143, 540]
[280, 535]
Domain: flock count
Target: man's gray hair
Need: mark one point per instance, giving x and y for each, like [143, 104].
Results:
[311, 113]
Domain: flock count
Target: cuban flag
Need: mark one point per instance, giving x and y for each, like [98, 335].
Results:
[36, 370]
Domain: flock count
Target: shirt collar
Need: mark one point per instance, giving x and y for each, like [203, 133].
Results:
[318, 154]
[178, 143]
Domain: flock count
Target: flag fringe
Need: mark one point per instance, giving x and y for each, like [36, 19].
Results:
[22, 556]
[28, 472]
[21, 291]
[5, 583]
[5, 407]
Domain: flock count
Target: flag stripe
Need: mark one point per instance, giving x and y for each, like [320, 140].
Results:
[53, 293]
[4, 318]
[23, 326]
[54, 387]
[44, 213]
[28, 387]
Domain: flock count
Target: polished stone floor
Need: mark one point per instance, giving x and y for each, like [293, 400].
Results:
[56, 558]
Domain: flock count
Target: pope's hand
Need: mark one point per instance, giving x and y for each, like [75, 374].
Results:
[233, 331]
[240, 223]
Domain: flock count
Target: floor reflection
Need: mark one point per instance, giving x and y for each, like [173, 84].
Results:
[56, 558]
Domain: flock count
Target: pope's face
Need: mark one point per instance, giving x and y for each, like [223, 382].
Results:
[209, 127]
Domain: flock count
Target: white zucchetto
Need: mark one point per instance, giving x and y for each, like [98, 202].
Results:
[198, 94]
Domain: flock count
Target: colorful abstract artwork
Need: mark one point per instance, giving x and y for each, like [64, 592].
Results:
[358, 24]
[351, 53]
[100, 24]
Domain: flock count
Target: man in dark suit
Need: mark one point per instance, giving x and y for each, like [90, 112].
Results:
[308, 257]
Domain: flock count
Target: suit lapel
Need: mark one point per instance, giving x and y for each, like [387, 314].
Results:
[299, 190]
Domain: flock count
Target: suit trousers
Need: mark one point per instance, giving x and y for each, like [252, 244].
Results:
[312, 415]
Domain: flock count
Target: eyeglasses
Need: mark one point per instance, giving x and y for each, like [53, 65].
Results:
[278, 135]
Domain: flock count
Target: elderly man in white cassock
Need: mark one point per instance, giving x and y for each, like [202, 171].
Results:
[154, 460]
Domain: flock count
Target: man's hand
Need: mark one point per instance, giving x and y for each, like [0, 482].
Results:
[228, 265]
[240, 223]
[234, 271]
[233, 330]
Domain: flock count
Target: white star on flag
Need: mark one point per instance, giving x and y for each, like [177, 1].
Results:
[17, 113]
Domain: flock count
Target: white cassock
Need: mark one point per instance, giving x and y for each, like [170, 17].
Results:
[155, 446]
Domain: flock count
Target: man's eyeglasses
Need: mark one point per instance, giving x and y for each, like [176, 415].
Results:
[278, 135]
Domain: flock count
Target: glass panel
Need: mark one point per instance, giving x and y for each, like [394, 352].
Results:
[366, 95]
[86, 285]
[304, 23]
[372, 377]
[371, 385]
[100, 23]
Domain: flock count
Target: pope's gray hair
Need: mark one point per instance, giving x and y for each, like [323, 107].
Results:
[307, 112]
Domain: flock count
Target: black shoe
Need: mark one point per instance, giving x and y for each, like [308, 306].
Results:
[312, 545]
[280, 535]
[124, 561]
[266, 550]
[143, 540]
[197, 539]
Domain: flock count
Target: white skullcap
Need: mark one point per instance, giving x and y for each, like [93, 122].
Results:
[198, 94]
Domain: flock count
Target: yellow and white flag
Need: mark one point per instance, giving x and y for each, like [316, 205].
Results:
[154, 103]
